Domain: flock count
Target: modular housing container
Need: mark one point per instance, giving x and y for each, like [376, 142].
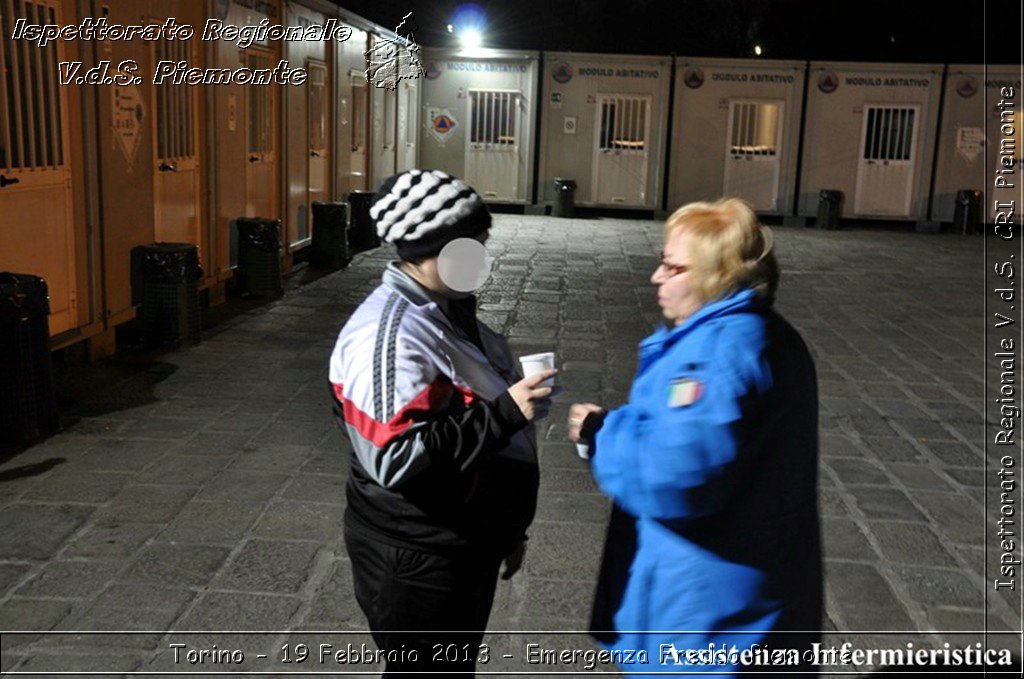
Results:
[308, 135]
[980, 128]
[92, 170]
[342, 131]
[246, 122]
[375, 127]
[352, 113]
[479, 116]
[604, 124]
[736, 131]
[46, 187]
[394, 112]
[870, 132]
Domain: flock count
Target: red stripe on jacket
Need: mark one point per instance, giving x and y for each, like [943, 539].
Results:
[420, 408]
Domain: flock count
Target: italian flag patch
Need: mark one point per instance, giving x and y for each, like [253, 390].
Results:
[684, 391]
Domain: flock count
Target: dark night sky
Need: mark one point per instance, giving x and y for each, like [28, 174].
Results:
[865, 30]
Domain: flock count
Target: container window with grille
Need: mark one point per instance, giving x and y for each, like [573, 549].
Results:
[317, 85]
[30, 115]
[493, 117]
[890, 133]
[754, 129]
[261, 108]
[175, 109]
[623, 123]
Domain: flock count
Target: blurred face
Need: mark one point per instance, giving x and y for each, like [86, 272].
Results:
[674, 278]
[428, 273]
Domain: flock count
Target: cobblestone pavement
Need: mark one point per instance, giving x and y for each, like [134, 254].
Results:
[204, 491]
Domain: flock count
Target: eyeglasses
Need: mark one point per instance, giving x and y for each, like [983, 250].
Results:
[672, 269]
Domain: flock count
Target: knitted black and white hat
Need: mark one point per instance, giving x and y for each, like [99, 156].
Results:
[420, 211]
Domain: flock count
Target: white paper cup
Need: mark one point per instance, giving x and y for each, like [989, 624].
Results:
[535, 363]
[583, 450]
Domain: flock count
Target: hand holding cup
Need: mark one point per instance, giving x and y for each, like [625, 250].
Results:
[535, 363]
[578, 414]
[532, 394]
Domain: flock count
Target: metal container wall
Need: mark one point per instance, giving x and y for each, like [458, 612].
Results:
[870, 133]
[479, 118]
[736, 131]
[604, 123]
[968, 129]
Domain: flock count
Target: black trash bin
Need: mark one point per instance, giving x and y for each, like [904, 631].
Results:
[259, 258]
[830, 209]
[28, 400]
[169, 274]
[330, 235]
[362, 234]
[967, 213]
[565, 198]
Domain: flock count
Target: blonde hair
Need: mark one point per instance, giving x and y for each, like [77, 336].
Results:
[729, 248]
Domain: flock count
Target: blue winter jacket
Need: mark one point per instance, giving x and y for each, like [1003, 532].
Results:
[712, 465]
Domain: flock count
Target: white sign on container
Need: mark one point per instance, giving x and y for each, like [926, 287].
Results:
[970, 142]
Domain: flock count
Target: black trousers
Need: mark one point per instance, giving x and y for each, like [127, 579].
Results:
[427, 611]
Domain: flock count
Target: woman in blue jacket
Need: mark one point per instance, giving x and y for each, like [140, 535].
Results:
[714, 545]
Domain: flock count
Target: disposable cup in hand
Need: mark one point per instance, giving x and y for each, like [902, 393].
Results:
[535, 363]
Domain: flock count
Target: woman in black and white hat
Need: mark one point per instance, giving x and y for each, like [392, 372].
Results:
[444, 474]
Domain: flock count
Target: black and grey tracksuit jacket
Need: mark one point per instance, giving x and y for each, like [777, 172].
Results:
[443, 459]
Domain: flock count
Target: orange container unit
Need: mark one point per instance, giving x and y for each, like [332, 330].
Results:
[150, 152]
[42, 171]
[974, 130]
[352, 117]
[308, 133]
[245, 140]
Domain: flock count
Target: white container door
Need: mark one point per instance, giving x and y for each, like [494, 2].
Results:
[408, 106]
[358, 158]
[385, 121]
[176, 207]
[622, 146]
[493, 157]
[261, 183]
[885, 172]
[318, 188]
[752, 152]
[36, 225]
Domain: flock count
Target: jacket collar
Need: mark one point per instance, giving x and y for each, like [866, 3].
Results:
[742, 300]
[405, 285]
[458, 311]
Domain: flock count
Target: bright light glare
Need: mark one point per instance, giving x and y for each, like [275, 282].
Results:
[471, 38]
[468, 23]
[757, 50]
[451, 29]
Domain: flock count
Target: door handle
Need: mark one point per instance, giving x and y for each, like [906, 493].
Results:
[4, 181]
[254, 158]
[168, 167]
[314, 154]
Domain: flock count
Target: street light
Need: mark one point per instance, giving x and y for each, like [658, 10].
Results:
[468, 23]
[471, 38]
